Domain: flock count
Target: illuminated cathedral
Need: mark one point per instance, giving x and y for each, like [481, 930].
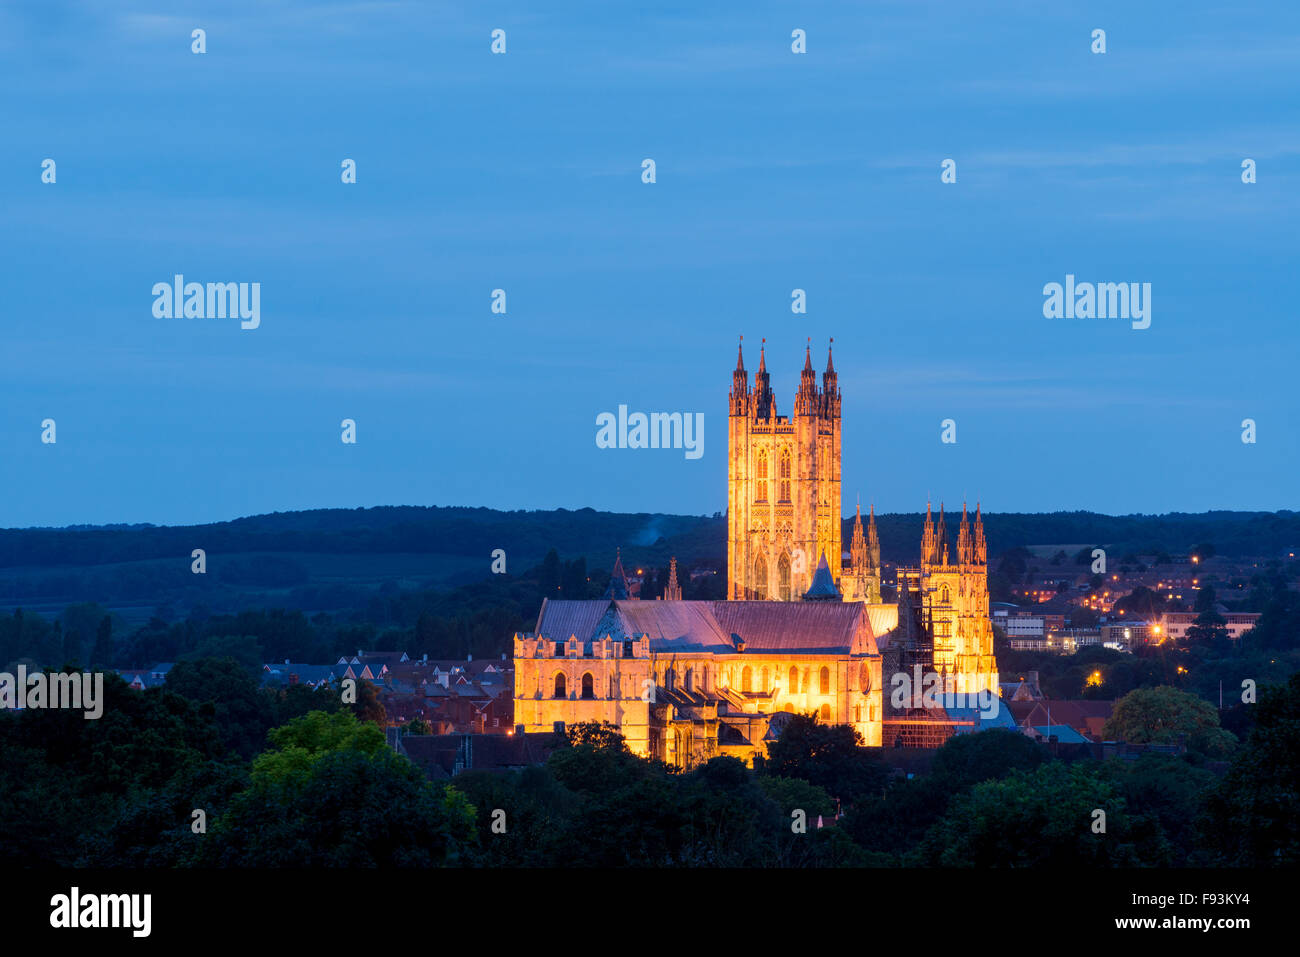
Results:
[800, 632]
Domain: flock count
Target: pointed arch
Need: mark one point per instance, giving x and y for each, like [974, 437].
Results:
[783, 577]
[760, 577]
[588, 686]
[560, 691]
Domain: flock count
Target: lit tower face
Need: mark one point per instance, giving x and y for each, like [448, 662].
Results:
[783, 483]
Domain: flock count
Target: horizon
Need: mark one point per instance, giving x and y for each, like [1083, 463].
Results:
[709, 516]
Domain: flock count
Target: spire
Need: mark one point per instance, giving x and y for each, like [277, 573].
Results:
[823, 584]
[806, 403]
[740, 383]
[981, 547]
[764, 407]
[830, 361]
[830, 398]
[618, 589]
[927, 538]
[674, 591]
[965, 549]
[858, 549]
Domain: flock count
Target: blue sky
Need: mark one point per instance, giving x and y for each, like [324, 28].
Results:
[775, 171]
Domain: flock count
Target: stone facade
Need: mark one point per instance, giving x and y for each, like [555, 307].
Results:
[783, 484]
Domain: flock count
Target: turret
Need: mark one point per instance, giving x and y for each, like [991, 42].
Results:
[830, 387]
[740, 383]
[928, 556]
[805, 402]
[763, 407]
[965, 547]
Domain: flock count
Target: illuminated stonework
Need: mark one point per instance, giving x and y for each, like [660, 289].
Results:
[783, 484]
[685, 681]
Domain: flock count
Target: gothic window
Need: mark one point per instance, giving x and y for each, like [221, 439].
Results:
[559, 686]
[944, 596]
[785, 476]
[760, 485]
[825, 681]
[746, 679]
[764, 686]
[783, 577]
[826, 712]
[857, 713]
[670, 679]
[704, 679]
[864, 678]
[794, 680]
[760, 578]
[588, 689]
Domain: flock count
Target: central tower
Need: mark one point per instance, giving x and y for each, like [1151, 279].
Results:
[783, 483]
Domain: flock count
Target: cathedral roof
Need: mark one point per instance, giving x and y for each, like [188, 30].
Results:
[707, 626]
[823, 585]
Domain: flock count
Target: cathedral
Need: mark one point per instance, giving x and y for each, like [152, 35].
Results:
[800, 631]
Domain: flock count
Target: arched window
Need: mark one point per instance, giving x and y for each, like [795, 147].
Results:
[944, 596]
[785, 475]
[825, 681]
[826, 712]
[794, 680]
[559, 686]
[670, 679]
[690, 679]
[765, 685]
[588, 686]
[857, 713]
[704, 679]
[747, 679]
[783, 577]
[760, 578]
[760, 484]
[864, 678]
